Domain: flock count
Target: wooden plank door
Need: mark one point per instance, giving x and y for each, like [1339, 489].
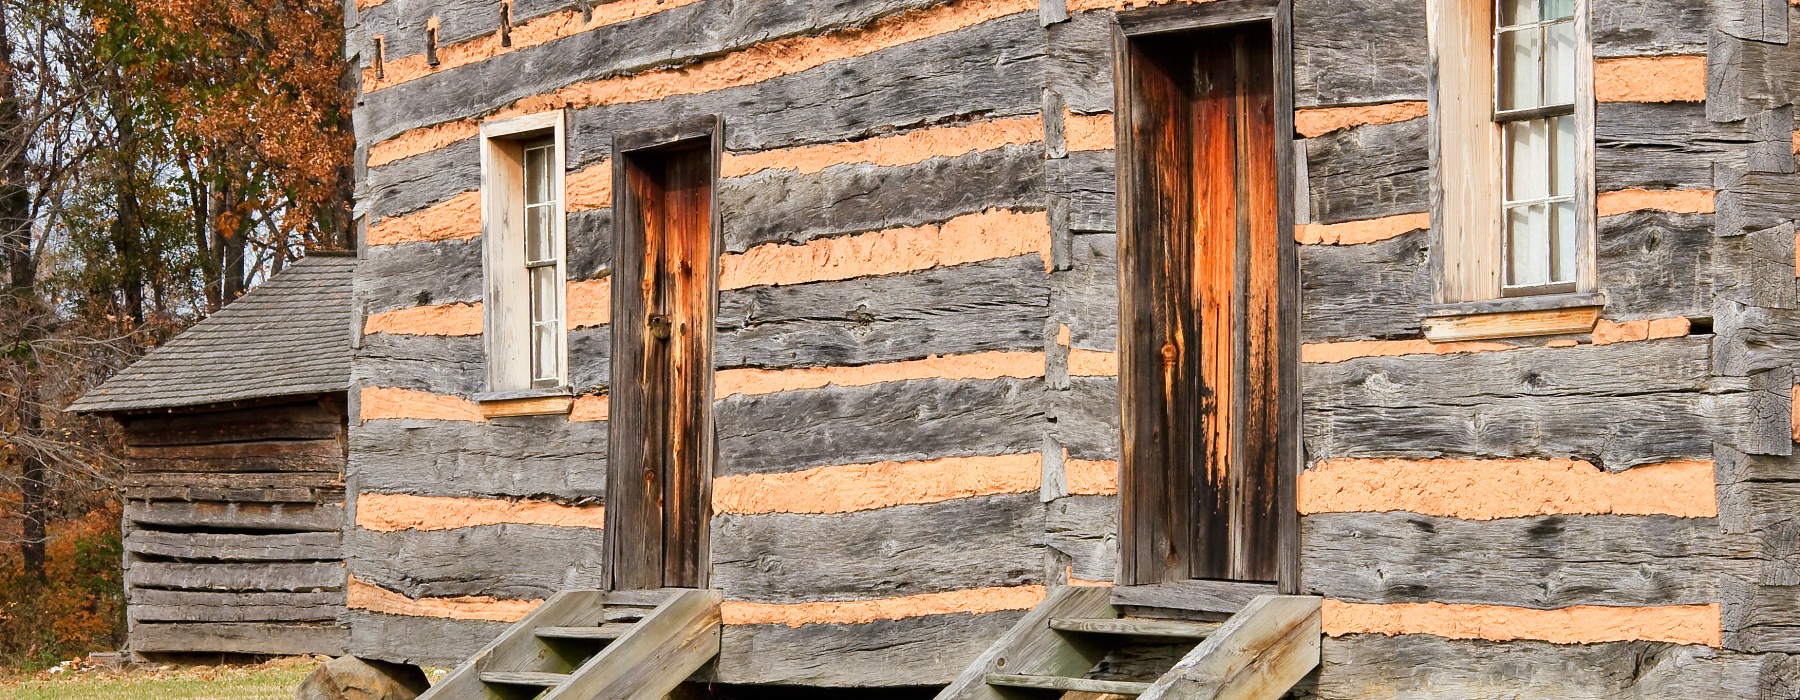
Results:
[660, 466]
[1206, 284]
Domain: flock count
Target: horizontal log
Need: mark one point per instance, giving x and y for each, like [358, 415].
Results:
[1656, 264]
[245, 494]
[1761, 618]
[1651, 27]
[669, 37]
[1374, 290]
[296, 517]
[1549, 402]
[911, 420]
[272, 480]
[1364, 666]
[310, 421]
[518, 562]
[1536, 562]
[994, 305]
[293, 639]
[300, 546]
[1369, 172]
[237, 576]
[425, 641]
[908, 652]
[792, 207]
[784, 558]
[152, 605]
[1670, 145]
[779, 103]
[520, 457]
[1358, 53]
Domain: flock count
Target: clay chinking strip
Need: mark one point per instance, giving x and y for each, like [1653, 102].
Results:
[978, 366]
[989, 235]
[360, 595]
[1581, 624]
[976, 601]
[382, 512]
[1486, 489]
[765, 61]
[859, 487]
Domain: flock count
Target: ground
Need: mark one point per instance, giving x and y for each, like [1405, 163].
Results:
[274, 680]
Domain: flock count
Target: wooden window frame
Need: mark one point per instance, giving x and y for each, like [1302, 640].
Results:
[1214, 595]
[1468, 161]
[507, 318]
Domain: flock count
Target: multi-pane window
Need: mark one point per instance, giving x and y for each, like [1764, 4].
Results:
[523, 254]
[542, 262]
[1534, 103]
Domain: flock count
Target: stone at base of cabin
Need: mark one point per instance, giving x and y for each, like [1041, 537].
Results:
[351, 678]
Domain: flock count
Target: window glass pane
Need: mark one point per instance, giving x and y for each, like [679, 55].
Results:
[1516, 12]
[1562, 175]
[1528, 160]
[1562, 248]
[1519, 69]
[1528, 245]
[543, 293]
[537, 175]
[543, 351]
[1553, 10]
[1559, 63]
[538, 227]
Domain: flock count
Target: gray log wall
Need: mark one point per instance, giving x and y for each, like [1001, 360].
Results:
[1721, 393]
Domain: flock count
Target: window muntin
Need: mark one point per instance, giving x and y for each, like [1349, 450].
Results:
[542, 262]
[1534, 105]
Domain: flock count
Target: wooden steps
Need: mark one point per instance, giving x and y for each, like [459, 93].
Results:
[581, 645]
[1080, 685]
[1163, 629]
[1076, 641]
[540, 680]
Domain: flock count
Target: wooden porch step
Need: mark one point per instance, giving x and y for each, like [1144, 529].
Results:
[525, 678]
[606, 631]
[1063, 683]
[1167, 629]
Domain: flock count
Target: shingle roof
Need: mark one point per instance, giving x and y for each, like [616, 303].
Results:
[288, 336]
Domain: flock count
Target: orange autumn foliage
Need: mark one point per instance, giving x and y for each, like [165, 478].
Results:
[80, 605]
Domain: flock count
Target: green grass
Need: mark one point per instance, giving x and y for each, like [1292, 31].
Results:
[275, 680]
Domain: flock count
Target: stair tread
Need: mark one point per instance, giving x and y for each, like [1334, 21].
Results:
[531, 678]
[611, 630]
[1065, 683]
[1176, 629]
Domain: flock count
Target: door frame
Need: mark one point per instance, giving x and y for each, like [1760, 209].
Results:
[1220, 14]
[627, 302]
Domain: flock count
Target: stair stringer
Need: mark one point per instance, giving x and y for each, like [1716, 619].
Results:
[517, 647]
[1259, 654]
[1030, 646]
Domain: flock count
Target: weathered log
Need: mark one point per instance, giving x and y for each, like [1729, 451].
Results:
[993, 305]
[309, 421]
[1086, 528]
[153, 605]
[515, 562]
[531, 456]
[912, 651]
[890, 552]
[298, 546]
[1369, 291]
[295, 517]
[1358, 53]
[921, 419]
[237, 576]
[425, 641]
[1369, 172]
[291, 639]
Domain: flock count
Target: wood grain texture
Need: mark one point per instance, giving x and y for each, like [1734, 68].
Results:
[912, 420]
[517, 562]
[783, 558]
[467, 459]
[1369, 172]
[301, 546]
[1358, 53]
[426, 641]
[914, 651]
[290, 639]
[245, 576]
[154, 605]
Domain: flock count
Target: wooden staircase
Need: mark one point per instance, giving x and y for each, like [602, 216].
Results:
[584, 645]
[1076, 642]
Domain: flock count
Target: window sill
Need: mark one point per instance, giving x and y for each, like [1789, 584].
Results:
[526, 402]
[1517, 317]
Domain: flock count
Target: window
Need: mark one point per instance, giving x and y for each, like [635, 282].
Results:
[1534, 101]
[1513, 108]
[522, 230]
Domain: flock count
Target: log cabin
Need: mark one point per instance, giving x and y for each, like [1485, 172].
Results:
[1006, 348]
[235, 435]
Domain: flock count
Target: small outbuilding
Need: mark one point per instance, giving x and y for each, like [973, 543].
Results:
[234, 494]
